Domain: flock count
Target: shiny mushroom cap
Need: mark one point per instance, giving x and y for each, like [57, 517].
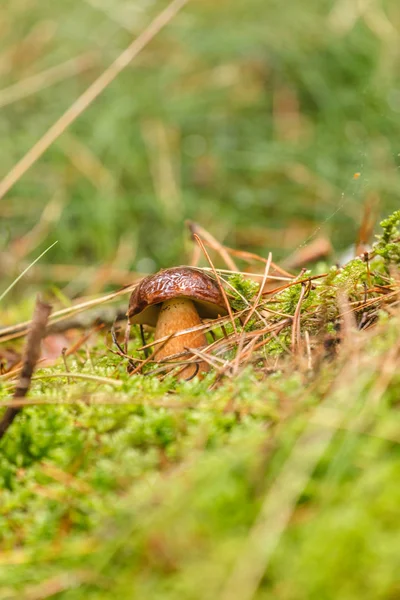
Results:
[178, 282]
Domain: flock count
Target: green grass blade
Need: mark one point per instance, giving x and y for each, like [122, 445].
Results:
[10, 287]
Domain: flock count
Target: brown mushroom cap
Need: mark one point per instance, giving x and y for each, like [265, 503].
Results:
[178, 282]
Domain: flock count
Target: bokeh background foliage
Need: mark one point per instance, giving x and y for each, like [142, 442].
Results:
[251, 117]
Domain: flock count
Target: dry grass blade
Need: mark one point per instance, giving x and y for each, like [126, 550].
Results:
[259, 293]
[250, 257]
[19, 330]
[35, 83]
[165, 338]
[293, 282]
[274, 330]
[86, 99]
[296, 320]
[213, 361]
[228, 306]
[239, 349]
[347, 320]
[250, 275]
[210, 240]
[161, 343]
[308, 348]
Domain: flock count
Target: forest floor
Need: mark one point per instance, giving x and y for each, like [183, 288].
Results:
[274, 476]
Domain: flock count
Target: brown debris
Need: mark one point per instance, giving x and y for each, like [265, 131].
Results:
[318, 249]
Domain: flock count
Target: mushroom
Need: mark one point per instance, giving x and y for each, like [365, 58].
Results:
[173, 300]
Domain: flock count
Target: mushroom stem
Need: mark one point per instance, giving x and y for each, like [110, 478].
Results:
[176, 315]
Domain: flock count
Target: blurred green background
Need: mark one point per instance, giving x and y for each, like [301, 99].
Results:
[261, 120]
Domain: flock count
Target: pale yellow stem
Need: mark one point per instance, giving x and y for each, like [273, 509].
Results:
[176, 315]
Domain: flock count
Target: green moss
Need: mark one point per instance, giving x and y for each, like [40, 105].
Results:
[388, 244]
[243, 293]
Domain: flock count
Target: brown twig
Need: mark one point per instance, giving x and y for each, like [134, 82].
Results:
[31, 356]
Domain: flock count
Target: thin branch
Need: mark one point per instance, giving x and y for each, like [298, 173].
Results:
[31, 357]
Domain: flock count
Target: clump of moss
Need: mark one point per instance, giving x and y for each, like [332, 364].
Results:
[388, 244]
[242, 291]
